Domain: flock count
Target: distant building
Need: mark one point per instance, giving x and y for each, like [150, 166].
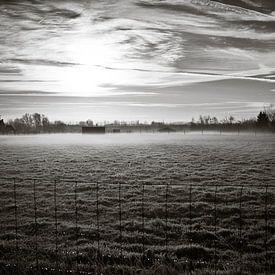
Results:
[167, 129]
[116, 130]
[93, 130]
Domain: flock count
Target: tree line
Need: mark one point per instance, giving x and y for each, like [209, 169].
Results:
[265, 120]
[39, 123]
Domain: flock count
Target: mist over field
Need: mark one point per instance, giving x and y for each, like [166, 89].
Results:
[174, 157]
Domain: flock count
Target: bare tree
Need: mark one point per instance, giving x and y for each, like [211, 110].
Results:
[27, 120]
[37, 119]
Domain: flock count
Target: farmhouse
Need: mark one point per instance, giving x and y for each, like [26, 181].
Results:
[93, 130]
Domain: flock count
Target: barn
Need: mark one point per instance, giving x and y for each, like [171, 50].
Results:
[93, 130]
[116, 130]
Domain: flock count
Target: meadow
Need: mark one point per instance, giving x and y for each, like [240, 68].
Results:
[137, 204]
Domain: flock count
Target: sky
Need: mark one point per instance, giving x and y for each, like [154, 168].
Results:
[140, 60]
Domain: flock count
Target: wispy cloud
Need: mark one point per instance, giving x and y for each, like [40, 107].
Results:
[152, 55]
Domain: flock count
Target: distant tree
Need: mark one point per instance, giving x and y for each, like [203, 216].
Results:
[228, 120]
[45, 121]
[201, 120]
[214, 120]
[262, 119]
[37, 120]
[231, 119]
[89, 122]
[18, 125]
[59, 126]
[27, 120]
[270, 111]
[271, 115]
[207, 119]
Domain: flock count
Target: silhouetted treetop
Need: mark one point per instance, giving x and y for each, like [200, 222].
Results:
[262, 119]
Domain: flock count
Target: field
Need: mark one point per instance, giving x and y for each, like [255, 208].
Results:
[138, 203]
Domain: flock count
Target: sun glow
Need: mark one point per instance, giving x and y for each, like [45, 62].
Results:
[92, 61]
[81, 80]
[93, 52]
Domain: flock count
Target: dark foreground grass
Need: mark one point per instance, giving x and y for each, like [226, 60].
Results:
[136, 229]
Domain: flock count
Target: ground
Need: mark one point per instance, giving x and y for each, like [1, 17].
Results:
[139, 202]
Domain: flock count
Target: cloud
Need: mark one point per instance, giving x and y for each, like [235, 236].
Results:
[44, 62]
[6, 69]
[170, 55]
[23, 93]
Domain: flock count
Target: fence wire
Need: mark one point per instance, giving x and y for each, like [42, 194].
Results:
[95, 228]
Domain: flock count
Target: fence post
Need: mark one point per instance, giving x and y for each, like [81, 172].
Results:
[55, 222]
[76, 224]
[215, 229]
[15, 221]
[190, 225]
[240, 229]
[166, 219]
[266, 231]
[190, 212]
[142, 216]
[120, 219]
[35, 222]
[97, 219]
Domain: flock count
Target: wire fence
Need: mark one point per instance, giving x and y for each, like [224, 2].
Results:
[120, 228]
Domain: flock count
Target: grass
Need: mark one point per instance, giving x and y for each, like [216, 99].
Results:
[158, 234]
